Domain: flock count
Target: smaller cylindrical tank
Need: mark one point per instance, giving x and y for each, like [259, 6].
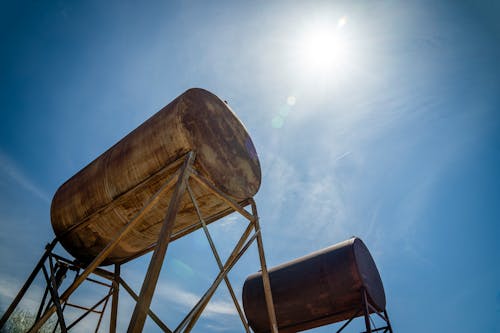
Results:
[321, 288]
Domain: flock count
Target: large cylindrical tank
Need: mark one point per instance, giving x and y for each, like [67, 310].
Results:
[102, 197]
[321, 288]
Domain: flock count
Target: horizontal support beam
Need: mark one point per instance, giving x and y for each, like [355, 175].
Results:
[82, 308]
[99, 282]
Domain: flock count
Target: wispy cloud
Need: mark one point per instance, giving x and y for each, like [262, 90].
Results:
[178, 295]
[324, 207]
[9, 287]
[219, 328]
[11, 170]
[228, 222]
[319, 209]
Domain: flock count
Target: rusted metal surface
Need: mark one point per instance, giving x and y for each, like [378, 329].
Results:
[319, 289]
[95, 204]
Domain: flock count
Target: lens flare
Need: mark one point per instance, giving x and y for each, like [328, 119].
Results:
[278, 122]
[342, 22]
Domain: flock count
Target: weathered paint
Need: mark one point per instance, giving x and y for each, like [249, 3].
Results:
[321, 288]
[102, 197]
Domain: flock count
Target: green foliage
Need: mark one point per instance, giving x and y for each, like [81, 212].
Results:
[21, 321]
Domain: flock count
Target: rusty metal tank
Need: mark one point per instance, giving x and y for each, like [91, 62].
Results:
[91, 207]
[321, 288]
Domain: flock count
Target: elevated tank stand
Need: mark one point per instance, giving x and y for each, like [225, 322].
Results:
[58, 266]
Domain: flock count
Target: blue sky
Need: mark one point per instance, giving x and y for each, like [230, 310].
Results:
[395, 138]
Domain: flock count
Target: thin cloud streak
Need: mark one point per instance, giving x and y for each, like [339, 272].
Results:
[9, 168]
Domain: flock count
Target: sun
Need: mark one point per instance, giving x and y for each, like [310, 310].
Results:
[324, 47]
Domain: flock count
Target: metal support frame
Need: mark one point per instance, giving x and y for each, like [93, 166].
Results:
[366, 310]
[55, 269]
[57, 303]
